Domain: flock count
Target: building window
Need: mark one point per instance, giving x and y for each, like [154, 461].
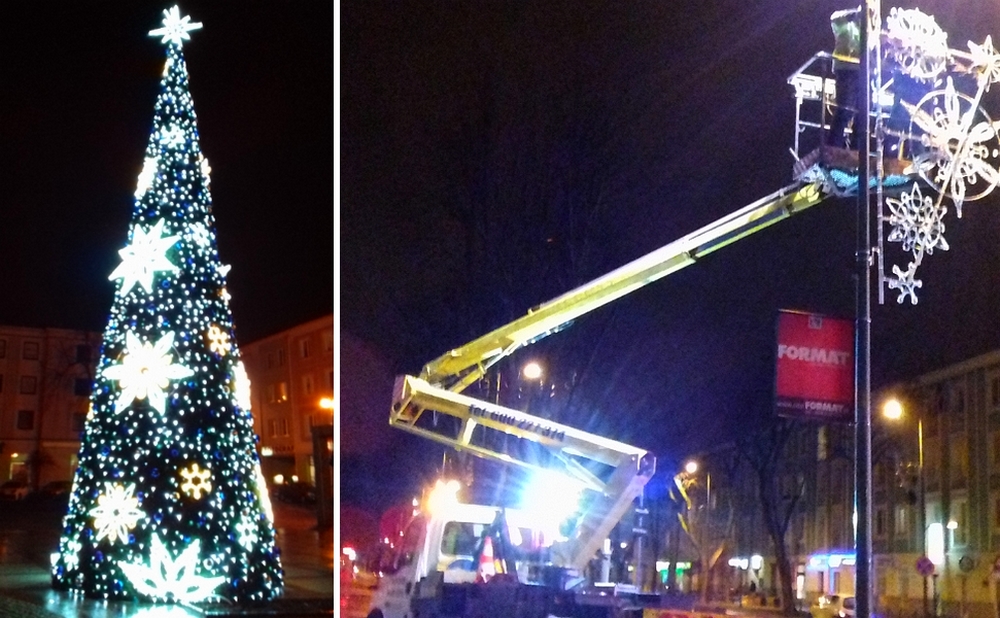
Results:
[281, 391]
[78, 420]
[270, 360]
[281, 358]
[307, 384]
[283, 427]
[958, 522]
[30, 350]
[880, 522]
[994, 381]
[81, 387]
[83, 353]
[902, 527]
[329, 379]
[1, 382]
[958, 459]
[3, 348]
[327, 341]
[29, 385]
[956, 412]
[304, 347]
[272, 427]
[26, 420]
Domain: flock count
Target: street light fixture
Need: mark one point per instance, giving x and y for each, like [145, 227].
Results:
[532, 371]
[893, 410]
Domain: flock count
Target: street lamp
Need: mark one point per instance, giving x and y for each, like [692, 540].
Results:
[532, 371]
[893, 410]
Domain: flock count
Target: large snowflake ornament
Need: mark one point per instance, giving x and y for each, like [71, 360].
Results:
[917, 43]
[172, 136]
[917, 222]
[960, 146]
[144, 257]
[171, 579]
[986, 60]
[247, 531]
[218, 340]
[116, 513]
[905, 283]
[175, 28]
[241, 386]
[146, 371]
[146, 177]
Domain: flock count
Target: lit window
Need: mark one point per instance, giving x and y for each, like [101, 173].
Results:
[282, 391]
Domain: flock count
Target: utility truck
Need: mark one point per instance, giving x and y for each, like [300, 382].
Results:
[443, 560]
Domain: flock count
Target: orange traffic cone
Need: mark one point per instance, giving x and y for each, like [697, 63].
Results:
[487, 568]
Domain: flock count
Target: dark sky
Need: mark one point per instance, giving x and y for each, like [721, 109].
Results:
[497, 154]
[76, 109]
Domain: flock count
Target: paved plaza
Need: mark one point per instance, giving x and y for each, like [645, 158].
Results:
[30, 533]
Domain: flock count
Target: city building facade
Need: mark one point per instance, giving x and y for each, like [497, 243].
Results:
[46, 375]
[291, 390]
[935, 501]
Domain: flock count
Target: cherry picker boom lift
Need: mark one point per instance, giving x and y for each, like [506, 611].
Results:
[420, 401]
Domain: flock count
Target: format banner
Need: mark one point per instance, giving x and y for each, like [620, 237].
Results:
[814, 375]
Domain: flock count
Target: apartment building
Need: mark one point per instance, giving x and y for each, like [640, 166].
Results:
[46, 375]
[291, 389]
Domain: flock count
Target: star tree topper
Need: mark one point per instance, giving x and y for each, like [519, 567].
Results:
[144, 257]
[175, 28]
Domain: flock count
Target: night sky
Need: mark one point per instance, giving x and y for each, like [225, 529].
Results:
[497, 154]
[76, 109]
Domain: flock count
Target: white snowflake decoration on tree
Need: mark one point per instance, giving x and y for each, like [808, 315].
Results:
[241, 386]
[143, 258]
[146, 371]
[172, 136]
[206, 169]
[116, 513]
[201, 235]
[169, 579]
[247, 531]
[196, 481]
[146, 177]
[175, 28]
[986, 59]
[71, 554]
[218, 340]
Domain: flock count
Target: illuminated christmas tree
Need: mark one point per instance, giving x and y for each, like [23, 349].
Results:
[169, 503]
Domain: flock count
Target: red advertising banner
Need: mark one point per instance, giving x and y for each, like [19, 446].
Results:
[815, 367]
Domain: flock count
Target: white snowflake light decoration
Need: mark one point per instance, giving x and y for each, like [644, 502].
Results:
[206, 169]
[986, 59]
[116, 513]
[169, 579]
[200, 235]
[146, 177]
[905, 283]
[218, 340]
[247, 531]
[241, 386]
[146, 371]
[172, 136]
[71, 554]
[196, 481]
[175, 28]
[143, 258]
[917, 222]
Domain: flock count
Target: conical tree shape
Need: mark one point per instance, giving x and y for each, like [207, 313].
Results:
[168, 502]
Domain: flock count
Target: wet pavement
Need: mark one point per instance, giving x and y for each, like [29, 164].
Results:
[30, 533]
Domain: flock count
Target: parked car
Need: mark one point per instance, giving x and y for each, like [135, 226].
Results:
[297, 492]
[14, 490]
[833, 606]
[55, 488]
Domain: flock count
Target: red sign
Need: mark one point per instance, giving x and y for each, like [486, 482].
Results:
[815, 367]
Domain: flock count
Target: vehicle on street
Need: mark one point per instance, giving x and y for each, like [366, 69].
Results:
[296, 492]
[833, 606]
[14, 490]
